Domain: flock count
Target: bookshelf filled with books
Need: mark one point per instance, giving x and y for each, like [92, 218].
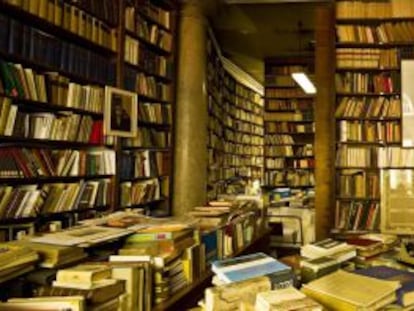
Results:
[148, 66]
[59, 61]
[289, 127]
[55, 61]
[235, 147]
[372, 39]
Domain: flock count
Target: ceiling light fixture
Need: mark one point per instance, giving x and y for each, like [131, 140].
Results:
[304, 82]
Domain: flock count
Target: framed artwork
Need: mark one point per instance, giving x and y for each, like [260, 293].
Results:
[120, 113]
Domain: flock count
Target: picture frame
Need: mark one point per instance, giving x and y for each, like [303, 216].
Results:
[120, 112]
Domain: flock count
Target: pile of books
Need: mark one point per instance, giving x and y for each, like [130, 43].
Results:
[16, 260]
[94, 282]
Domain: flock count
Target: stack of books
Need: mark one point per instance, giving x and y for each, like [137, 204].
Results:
[339, 250]
[72, 303]
[245, 267]
[15, 261]
[231, 296]
[93, 282]
[405, 294]
[53, 256]
[159, 239]
[286, 299]
[168, 273]
[347, 291]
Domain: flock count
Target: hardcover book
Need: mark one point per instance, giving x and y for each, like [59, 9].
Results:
[405, 294]
[253, 265]
[286, 299]
[229, 296]
[346, 291]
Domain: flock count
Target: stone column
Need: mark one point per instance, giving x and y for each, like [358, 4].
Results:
[325, 124]
[191, 114]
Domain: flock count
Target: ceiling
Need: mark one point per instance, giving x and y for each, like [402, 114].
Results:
[249, 31]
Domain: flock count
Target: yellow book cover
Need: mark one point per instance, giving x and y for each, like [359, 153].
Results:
[83, 273]
[229, 296]
[337, 291]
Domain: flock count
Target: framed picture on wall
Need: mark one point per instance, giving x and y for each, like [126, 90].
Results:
[120, 113]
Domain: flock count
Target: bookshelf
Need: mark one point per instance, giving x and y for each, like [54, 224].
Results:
[289, 127]
[372, 38]
[55, 162]
[235, 146]
[56, 58]
[148, 66]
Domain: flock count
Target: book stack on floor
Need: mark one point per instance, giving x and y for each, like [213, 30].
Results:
[16, 260]
[94, 282]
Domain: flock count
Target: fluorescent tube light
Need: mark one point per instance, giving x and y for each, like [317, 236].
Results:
[304, 82]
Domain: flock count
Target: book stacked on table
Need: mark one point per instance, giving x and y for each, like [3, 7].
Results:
[347, 291]
[72, 303]
[286, 299]
[312, 269]
[53, 256]
[231, 296]
[15, 261]
[167, 273]
[93, 282]
[405, 294]
[245, 267]
[339, 250]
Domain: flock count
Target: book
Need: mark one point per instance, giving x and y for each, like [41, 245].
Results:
[161, 232]
[253, 265]
[314, 268]
[326, 247]
[82, 236]
[338, 291]
[53, 256]
[73, 303]
[229, 296]
[286, 299]
[405, 294]
[79, 285]
[92, 296]
[83, 273]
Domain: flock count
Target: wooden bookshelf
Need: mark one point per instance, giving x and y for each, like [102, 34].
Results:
[55, 63]
[235, 146]
[289, 126]
[378, 123]
[148, 66]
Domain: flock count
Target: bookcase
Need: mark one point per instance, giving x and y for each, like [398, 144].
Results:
[372, 38]
[235, 147]
[148, 66]
[289, 126]
[56, 58]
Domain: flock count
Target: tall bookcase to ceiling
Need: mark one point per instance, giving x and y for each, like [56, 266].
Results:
[372, 38]
[289, 126]
[148, 66]
[235, 147]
